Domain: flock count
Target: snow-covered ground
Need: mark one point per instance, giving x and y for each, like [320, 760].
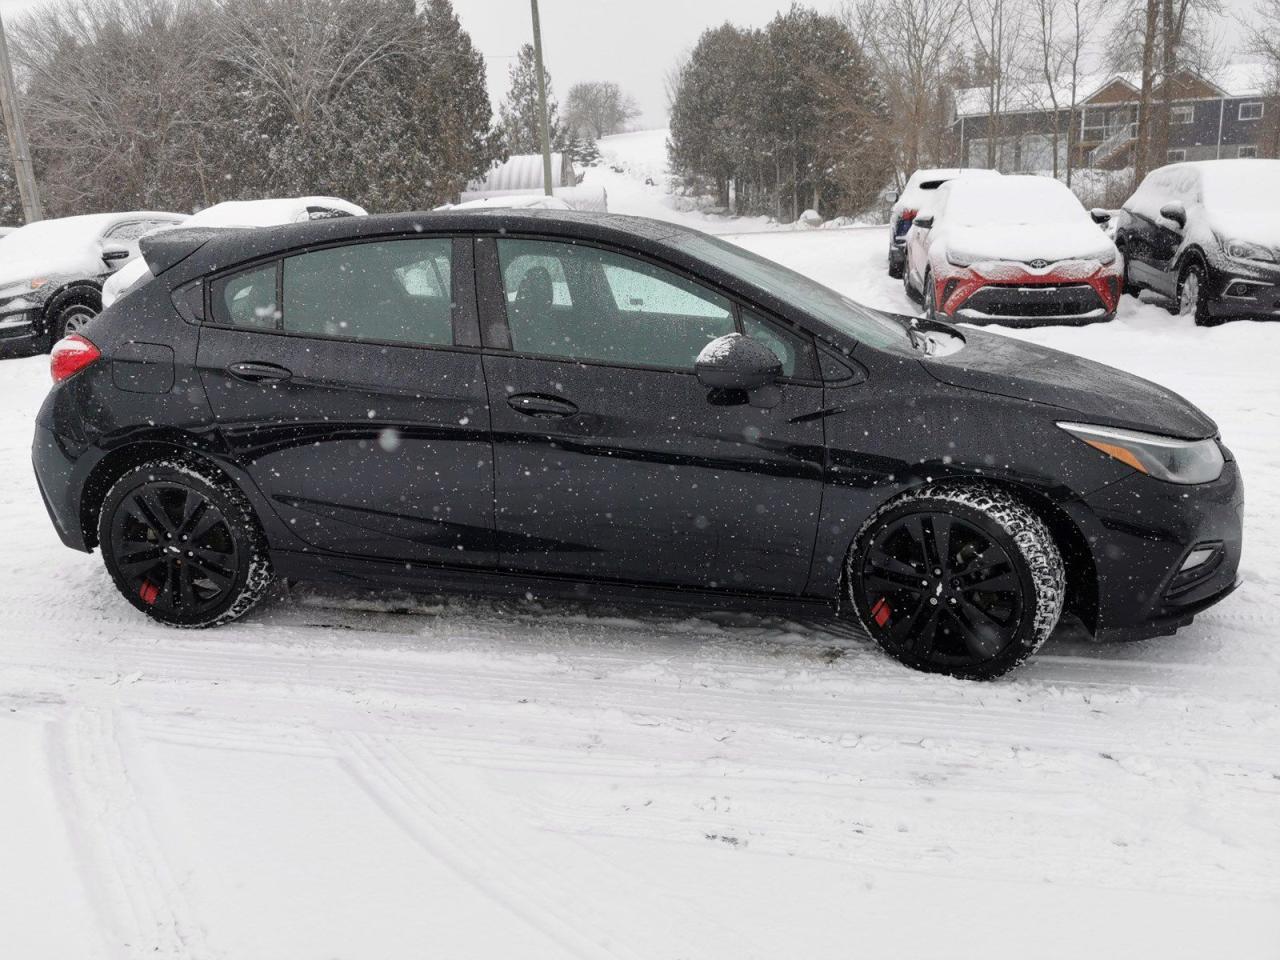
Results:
[391, 776]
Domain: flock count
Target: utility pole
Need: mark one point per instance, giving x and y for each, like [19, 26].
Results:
[17, 135]
[544, 126]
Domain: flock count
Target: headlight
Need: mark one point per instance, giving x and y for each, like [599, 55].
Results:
[1105, 256]
[1165, 458]
[958, 258]
[1244, 250]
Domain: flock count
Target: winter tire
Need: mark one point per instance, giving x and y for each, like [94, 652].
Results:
[183, 545]
[896, 270]
[961, 579]
[1193, 294]
[68, 314]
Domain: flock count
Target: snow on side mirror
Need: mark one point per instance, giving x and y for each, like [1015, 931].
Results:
[737, 362]
[116, 253]
[1100, 216]
[1175, 213]
[922, 222]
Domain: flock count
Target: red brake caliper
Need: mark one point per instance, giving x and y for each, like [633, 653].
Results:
[881, 612]
[149, 591]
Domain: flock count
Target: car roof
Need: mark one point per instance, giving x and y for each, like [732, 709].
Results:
[212, 248]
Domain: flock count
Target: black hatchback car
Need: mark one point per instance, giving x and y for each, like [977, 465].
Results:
[540, 403]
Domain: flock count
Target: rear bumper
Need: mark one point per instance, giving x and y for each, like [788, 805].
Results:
[60, 472]
[1144, 532]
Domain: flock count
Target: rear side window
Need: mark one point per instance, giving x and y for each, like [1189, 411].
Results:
[247, 299]
[393, 290]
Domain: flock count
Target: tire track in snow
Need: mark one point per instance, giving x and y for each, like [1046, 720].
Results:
[441, 826]
[135, 891]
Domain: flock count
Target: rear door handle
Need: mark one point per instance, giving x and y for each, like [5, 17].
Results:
[254, 372]
[541, 405]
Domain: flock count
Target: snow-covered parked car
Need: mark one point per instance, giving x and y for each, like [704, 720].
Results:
[1017, 250]
[915, 196]
[1206, 234]
[52, 271]
[237, 214]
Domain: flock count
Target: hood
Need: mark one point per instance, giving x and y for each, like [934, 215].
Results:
[73, 263]
[1024, 242]
[1084, 390]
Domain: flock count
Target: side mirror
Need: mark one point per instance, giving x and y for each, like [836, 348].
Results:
[116, 253]
[736, 362]
[1175, 213]
[1100, 216]
[924, 223]
[896, 197]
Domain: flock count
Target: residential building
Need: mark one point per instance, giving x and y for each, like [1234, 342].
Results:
[1232, 115]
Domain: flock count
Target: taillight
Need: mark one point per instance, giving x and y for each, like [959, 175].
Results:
[904, 222]
[909, 214]
[70, 355]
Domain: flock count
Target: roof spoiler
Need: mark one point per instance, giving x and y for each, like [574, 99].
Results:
[170, 247]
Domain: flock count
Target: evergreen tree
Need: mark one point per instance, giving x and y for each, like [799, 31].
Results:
[519, 117]
[587, 153]
[458, 143]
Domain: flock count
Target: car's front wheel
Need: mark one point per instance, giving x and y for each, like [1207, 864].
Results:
[1193, 294]
[959, 579]
[183, 545]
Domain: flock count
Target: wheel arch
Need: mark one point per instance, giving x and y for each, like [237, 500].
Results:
[122, 459]
[1077, 556]
[82, 289]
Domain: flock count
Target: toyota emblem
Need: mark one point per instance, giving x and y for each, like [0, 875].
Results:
[1038, 264]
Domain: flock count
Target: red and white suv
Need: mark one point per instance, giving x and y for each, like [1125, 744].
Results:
[1014, 250]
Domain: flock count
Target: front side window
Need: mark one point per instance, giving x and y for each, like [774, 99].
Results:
[247, 299]
[583, 303]
[124, 232]
[398, 291]
[795, 351]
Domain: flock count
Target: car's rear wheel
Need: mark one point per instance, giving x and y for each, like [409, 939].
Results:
[183, 545]
[69, 314]
[1129, 286]
[895, 266]
[958, 579]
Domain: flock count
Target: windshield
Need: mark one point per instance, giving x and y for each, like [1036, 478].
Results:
[833, 309]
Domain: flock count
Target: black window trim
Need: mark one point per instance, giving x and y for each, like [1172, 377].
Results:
[464, 312]
[493, 307]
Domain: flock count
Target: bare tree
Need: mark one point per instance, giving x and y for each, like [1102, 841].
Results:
[910, 41]
[1262, 39]
[598, 108]
[1062, 29]
[998, 29]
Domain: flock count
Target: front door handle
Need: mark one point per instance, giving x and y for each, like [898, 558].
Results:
[254, 372]
[541, 405]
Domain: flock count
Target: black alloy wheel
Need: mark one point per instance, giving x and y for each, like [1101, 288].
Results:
[182, 545]
[967, 583]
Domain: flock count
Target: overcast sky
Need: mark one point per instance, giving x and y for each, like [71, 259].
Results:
[632, 42]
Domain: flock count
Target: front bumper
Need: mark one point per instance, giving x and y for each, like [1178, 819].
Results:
[1143, 531]
[1019, 295]
[1242, 296]
[21, 332]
